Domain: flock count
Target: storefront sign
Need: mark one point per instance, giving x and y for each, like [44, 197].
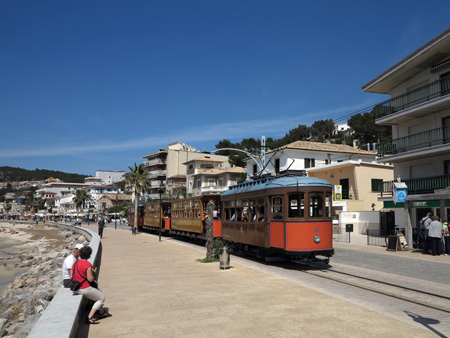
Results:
[426, 204]
[338, 192]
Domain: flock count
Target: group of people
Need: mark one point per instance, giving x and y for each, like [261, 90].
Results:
[434, 232]
[77, 267]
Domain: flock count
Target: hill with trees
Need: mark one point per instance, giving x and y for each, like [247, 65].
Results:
[11, 174]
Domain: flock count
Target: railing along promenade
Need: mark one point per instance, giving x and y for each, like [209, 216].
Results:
[61, 318]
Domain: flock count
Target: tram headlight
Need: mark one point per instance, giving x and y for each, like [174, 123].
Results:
[317, 239]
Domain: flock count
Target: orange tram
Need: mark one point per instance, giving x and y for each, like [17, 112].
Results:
[288, 216]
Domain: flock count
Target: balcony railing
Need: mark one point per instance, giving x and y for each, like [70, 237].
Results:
[425, 93]
[425, 139]
[422, 185]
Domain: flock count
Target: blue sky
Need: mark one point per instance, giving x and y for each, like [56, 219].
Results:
[88, 85]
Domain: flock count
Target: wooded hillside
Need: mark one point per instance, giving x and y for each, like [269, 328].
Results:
[11, 174]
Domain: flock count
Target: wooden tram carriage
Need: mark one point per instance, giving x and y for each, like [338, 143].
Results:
[140, 215]
[156, 216]
[189, 215]
[274, 216]
[288, 215]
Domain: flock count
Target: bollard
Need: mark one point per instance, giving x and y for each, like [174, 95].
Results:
[224, 258]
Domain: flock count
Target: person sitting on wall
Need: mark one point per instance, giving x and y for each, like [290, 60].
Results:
[68, 263]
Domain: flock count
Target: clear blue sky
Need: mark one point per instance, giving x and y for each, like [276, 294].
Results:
[87, 85]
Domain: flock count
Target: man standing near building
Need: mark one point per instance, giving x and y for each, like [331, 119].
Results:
[425, 226]
[68, 263]
[101, 225]
[435, 234]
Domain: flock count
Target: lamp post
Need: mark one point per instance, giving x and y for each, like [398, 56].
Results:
[115, 216]
[160, 209]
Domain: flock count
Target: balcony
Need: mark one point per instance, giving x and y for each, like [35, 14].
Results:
[417, 186]
[422, 140]
[349, 195]
[414, 97]
[157, 183]
[156, 161]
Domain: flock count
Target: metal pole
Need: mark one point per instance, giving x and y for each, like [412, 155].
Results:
[115, 216]
[160, 211]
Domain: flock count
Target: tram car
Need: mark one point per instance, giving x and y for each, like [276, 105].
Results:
[280, 216]
[157, 216]
[188, 217]
[140, 216]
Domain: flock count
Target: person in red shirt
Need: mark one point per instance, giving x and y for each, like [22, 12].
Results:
[82, 271]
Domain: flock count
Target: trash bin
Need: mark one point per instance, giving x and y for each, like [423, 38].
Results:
[224, 257]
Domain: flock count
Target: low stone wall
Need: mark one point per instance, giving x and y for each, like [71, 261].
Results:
[62, 316]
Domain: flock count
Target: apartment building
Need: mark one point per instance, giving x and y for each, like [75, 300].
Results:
[210, 176]
[419, 114]
[167, 169]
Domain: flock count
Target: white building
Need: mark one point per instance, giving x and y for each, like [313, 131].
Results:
[209, 176]
[298, 156]
[109, 177]
[419, 113]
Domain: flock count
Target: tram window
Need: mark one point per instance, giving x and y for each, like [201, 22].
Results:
[238, 203]
[245, 215]
[239, 214]
[260, 210]
[328, 205]
[315, 204]
[277, 207]
[296, 205]
[252, 214]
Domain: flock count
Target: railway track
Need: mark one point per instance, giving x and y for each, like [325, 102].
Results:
[428, 294]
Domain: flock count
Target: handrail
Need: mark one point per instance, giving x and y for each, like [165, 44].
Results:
[415, 141]
[425, 93]
[421, 185]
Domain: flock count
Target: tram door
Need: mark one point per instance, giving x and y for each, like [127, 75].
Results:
[387, 222]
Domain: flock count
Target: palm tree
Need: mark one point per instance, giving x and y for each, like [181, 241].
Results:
[81, 197]
[137, 177]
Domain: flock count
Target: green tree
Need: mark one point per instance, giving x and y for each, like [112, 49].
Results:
[81, 198]
[137, 177]
[367, 131]
[322, 129]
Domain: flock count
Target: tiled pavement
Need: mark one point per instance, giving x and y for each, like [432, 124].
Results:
[159, 289]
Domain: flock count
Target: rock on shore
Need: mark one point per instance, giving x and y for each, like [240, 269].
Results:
[41, 254]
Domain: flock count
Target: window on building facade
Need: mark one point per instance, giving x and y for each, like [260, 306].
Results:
[310, 163]
[377, 185]
[447, 167]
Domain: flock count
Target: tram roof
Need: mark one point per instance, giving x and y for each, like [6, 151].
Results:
[276, 182]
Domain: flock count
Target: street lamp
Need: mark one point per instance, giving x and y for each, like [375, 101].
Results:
[115, 216]
[160, 209]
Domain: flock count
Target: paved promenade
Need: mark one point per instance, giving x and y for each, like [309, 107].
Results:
[159, 289]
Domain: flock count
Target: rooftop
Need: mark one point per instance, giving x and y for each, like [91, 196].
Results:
[328, 147]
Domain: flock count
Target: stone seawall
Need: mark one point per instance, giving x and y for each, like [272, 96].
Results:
[35, 304]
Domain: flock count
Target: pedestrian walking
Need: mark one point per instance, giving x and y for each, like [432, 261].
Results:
[446, 232]
[435, 235]
[425, 226]
[101, 225]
